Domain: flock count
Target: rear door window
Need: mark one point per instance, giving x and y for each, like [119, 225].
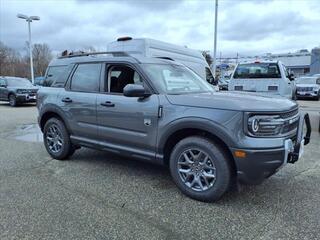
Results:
[56, 76]
[86, 78]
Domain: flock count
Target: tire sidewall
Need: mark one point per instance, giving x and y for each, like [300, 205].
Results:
[12, 100]
[223, 173]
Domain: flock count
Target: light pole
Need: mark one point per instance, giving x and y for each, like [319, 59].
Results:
[29, 20]
[215, 38]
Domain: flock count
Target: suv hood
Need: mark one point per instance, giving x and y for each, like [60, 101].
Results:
[308, 85]
[24, 88]
[233, 101]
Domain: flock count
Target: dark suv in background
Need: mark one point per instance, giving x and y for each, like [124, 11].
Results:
[17, 90]
[159, 111]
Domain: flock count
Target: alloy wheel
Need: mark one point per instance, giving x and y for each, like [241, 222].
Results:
[196, 169]
[54, 138]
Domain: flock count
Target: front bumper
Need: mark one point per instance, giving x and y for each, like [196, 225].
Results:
[307, 94]
[21, 98]
[259, 164]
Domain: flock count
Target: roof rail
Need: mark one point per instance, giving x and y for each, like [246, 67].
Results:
[115, 54]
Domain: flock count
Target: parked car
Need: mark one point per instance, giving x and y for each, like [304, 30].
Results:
[38, 81]
[160, 111]
[316, 75]
[17, 90]
[308, 87]
[268, 77]
[223, 84]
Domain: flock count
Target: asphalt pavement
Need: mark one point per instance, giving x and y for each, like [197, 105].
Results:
[97, 195]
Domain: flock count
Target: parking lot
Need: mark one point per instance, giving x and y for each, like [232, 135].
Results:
[97, 195]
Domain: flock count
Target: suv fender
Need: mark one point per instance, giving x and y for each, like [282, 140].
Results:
[201, 124]
[51, 111]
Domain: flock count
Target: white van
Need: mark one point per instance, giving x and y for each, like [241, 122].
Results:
[270, 77]
[154, 48]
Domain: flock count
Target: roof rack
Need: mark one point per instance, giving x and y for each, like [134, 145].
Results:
[115, 54]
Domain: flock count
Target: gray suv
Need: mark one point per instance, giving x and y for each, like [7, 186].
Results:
[159, 111]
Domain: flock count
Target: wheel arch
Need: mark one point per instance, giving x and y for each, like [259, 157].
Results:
[51, 113]
[195, 128]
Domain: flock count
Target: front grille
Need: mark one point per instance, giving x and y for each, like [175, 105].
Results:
[289, 114]
[305, 89]
[28, 91]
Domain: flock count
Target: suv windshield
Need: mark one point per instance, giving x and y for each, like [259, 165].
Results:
[176, 79]
[257, 70]
[19, 82]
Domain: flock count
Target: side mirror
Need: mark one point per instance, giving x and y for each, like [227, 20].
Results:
[135, 90]
[291, 76]
[3, 86]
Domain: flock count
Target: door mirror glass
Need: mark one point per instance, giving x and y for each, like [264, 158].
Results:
[135, 90]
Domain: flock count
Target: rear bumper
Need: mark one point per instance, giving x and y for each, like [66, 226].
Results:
[260, 164]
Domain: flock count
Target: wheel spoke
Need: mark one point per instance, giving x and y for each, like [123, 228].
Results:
[206, 181]
[185, 171]
[208, 175]
[198, 180]
[186, 157]
[192, 155]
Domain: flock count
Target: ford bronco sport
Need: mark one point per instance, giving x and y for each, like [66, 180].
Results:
[159, 111]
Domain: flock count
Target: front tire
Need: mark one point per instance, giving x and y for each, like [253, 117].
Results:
[200, 168]
[57, 139]
[12, 100]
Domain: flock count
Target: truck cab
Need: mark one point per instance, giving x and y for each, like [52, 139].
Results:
[267, 77]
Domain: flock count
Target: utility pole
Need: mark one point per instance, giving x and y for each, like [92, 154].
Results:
[215, 38]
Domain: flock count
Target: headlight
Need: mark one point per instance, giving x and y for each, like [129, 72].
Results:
[315, 89]
[265, 125]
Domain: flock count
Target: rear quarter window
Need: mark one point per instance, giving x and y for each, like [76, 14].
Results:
[257, 70]
[57, 76]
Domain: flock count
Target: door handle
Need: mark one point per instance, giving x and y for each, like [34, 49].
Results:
[66, 100]
[107, 104]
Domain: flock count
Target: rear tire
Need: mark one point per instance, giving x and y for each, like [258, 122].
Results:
[57, 139]
[200, 168]
[12, 100]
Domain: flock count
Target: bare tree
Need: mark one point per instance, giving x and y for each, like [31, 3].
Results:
[9, 58]
[208, 57]
[42, 55]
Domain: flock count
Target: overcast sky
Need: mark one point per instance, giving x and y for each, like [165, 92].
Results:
[246, 27]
